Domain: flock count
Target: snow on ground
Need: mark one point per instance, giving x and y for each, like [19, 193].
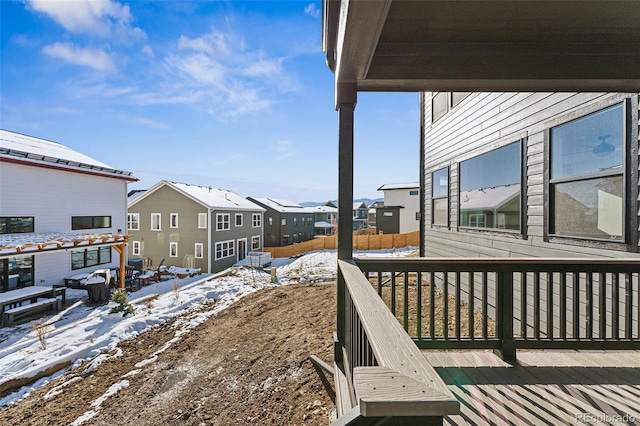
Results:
[84, 333]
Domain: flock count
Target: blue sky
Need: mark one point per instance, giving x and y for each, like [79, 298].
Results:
[232, 94]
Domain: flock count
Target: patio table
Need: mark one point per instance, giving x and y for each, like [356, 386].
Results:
[31, 294]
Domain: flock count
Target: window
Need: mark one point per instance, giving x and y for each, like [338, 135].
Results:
[443, 102]
[255, 242]
[415, 192]
[133, 221]
[135, 248]
[283, 222]
[387, 214]
[16, 225]
[199, 251]
[202, 221]
[440, 197]
[490, 188]
[90, 257]
[270, 221]
[173, 249]
[238, 219]
[586, 181]
[155, 221]
[173, 220]
[295, 221]
[90, 222]
[256, 220]
[223, 221]
[225, 249]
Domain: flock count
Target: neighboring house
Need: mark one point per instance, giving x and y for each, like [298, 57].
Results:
[373, 213]
[193, 226]
[325, 219]
[360, 213]
[401, 211]
[531, 174]
[49, 192]
[286, 222]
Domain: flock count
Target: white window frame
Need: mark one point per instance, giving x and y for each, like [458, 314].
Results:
[256, 220]
[225, 249]
[255, 242]
[173, 253]
[171, 221]
[135, 248]
[225, 224]
[202, 221]
[198, 249]
[159, 216]
[130, 221]
[235, 220]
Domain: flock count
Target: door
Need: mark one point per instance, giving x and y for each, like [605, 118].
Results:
[242, 249]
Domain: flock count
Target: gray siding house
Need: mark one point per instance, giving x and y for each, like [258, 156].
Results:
[286, 222]
[193, 226]
[531, 174]
[400, 213]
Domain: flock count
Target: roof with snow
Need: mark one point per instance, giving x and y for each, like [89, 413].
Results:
[34, 243]
[23, 149]
[488, 198]
[323, 209]
[409, 185]
[213, 198]
[282, 206]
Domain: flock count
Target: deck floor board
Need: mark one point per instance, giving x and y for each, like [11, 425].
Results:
[542, 387]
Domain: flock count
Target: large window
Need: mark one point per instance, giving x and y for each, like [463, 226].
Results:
[16, 225]
[440, 197]
[238, 219]
[586, 181]
[90, 222]
[490, 190]
[223, 221]
[225, 249]
[133, 221]
[90, 257]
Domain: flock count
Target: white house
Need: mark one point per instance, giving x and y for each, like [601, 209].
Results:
[401, 211]
[53, 199]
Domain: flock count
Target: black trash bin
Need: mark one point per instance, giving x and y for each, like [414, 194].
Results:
[98, 286]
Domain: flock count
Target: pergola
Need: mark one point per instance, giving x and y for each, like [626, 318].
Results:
[12, 245]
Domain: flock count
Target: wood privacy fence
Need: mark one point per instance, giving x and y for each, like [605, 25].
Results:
[360, 242]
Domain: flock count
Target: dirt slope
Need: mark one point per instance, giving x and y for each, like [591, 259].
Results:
[247, 365]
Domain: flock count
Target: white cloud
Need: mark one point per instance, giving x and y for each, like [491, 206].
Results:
[282, 149]
[104, 18]
[94, 58]
[312, 10]
[148, 51]
[264, 68]
[213, 43]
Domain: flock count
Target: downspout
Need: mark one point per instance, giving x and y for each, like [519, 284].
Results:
[209, 233]
[423, 198]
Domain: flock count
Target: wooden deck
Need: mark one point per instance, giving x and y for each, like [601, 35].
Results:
[542, 387]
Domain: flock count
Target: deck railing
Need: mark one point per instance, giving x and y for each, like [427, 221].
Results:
[380, 374]
[510, 303]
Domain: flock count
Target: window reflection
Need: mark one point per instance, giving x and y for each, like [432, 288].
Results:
[490, 189]
[587, 175]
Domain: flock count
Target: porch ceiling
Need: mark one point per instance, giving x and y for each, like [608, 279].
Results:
[408, 45]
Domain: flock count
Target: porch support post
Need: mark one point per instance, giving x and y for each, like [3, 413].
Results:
[121, 250]
[346, 96]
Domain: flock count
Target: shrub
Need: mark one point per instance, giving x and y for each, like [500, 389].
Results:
[121, 299]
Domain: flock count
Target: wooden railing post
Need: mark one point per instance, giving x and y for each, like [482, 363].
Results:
[504, 326]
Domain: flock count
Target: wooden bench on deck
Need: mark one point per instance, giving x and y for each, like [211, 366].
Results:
[20, 312]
